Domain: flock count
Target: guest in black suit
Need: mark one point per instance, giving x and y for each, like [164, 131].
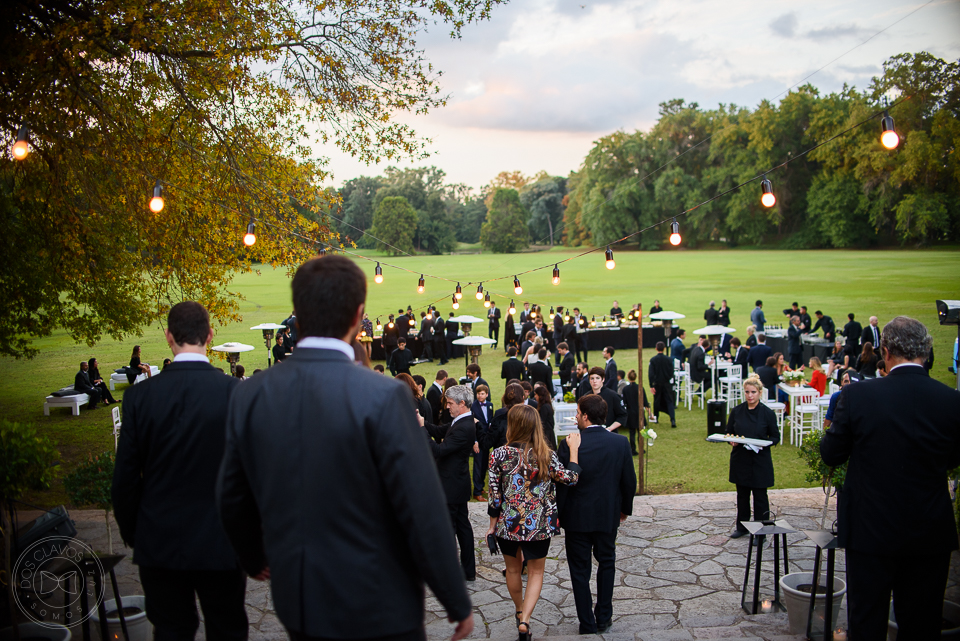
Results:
[769, 378]
[900, 434]
[758, 355]
[541, 372]
[711, 316]
[452, 455]
[583, 380]
[567, 364]
[493, 323]
[512, 367]
[738, 356]
[452, 332]
[482, 410]
[794, 347]
[609, 368]
[439, 340]
[616, 410]
[473, 373]
[426, 335]
[591, 511]
[391, 335]
[872, 334]
[332, 491]
[569, 335]
[852, 331]
[435, 395]
[751, 472]
[280, 350]
[400, 360]
[82, 383]
[723, 314]
[558, 333]
[699, 372]
[403, 323]
[164, 501]
[660, 373]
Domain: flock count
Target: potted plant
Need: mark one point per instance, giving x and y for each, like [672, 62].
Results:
[793, 378]
[27, 461]
[820, 472]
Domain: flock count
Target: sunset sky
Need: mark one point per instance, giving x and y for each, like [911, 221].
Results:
[533, 87]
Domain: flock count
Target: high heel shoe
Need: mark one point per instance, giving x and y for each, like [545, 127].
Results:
[524, 636]
[517, 617]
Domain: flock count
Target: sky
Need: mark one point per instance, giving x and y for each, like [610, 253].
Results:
[533, 88]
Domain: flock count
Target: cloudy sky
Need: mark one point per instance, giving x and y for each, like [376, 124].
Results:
[533, 87]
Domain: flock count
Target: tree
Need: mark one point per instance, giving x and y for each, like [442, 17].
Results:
[218, 102]
[395, 220]
[358, 197]
[506, 228]
[435, 226]
[544, 200]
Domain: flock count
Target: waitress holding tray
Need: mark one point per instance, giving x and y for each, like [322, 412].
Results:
[751, 471]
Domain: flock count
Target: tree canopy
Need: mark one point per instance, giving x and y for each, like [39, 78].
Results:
[395, 219]
[219, 102]
[506, 228]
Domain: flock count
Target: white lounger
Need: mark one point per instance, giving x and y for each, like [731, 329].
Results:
[122, 378]
[73, 402]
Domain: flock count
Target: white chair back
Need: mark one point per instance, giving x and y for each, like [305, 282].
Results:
[115, 415]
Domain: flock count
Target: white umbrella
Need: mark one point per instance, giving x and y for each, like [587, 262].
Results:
[474, 341]
[467, 318]
[267, 326]
[667, 316]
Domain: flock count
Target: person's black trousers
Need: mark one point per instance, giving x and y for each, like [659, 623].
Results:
[664, 401]
[494, 333]
[796, 360]
[464, 531]
[94, 395]
[634, 428]
[440, 350]
[603, 546]
[581, 348]
[480, 463]
[171, 605]
[761, 504]
[105, 392]
[917, 582]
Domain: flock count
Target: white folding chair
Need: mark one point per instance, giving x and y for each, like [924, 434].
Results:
[777, 407]
[824, 404]
[731, 386]
[115, 414]
[692, 390]
[806, 415]
[680, 379]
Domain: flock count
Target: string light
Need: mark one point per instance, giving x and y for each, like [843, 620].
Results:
[456, 303]
[379, 325]
[610, 262]
[156, 203]
[566, 318]
[513, 309]
[889, 137]
[675, 233]
[552, 313]
[767, 199]
[21, 148]
[516, 286]
[420, 285]
[480, 292]
[532, 314]
[556, 274]
[486, 300]
[413, 322]
[250, 237]
[459, 293]
[390, 325]
[378, 275]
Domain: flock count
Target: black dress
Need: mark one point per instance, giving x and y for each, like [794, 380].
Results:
[748, 468]
[547, 420]
[134, 370]
[510, 334]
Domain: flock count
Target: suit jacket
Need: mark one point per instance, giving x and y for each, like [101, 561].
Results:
[567, 367]
[793, 340]
[512, 368]
[723, 316]
[479, 381]
[452, 327]
[770, 379]
[435, 396]
[724, 345]
[595, 503]
[569, 334]
[867, 335]
[477, 410]
[327, 474]
[660, 373]
[583, 387]
[452, 456]
[543, 373]
[166, 470]
[711, 316]
[740, 358]
[558, 328]
[698, 364]
[901, 435]
[610, 375]
[426, 329]
[390, 335]
[403, 325]
[493, 318]
[438, 327]
[676, 349]
[758, 356]
[81, 382]
[852, 331]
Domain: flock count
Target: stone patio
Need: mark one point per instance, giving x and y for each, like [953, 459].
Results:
[678, 575]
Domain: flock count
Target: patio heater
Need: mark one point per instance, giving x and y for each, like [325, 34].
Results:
[233, 351]
[268, 330]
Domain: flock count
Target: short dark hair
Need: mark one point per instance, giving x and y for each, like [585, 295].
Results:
[563, 345]
[401, 341]
[419, 380]
[511, 351]
[442, 375]
[542, 353]
[596, 370]
[189, 323]
[327, 292]
[661, 346]
[759, 303]
[735, 341]
[818, 313]
[850, 316]
[482, 388]
[594, 408]
[803, 307]
[771, 361]
[378, 367]
[621, 373]
[474, 368]
[681, 333]
[610, 350]
[761, 337]
[527, 387]
[794, 304]
[513, 381]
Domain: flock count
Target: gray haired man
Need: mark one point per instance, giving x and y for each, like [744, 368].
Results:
[452, 445]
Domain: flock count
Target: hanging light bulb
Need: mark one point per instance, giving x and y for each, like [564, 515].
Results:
[379, 325]
[378, 274]
[556, 274]
[593, 321]
[516, 286]
[21, 148]
[767, 199]
[456, 303]
[532, 314]
[250, 237]
[552, 313]
[675, 233]
[459, 293]
[610, 262]
[156, 203]
[480, 292]
[420, 285]
[486, 300]
[413, 322]
[390, 325]
[513, 309]
[888, 138]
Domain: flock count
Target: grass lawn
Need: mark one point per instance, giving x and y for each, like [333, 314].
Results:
[884, 283]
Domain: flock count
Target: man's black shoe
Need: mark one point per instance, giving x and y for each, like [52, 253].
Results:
[673, 424]
[584, 630]
[736, 534]
[636, 453]
[603, 627]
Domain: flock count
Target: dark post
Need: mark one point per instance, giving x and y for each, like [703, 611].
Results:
[643, 414]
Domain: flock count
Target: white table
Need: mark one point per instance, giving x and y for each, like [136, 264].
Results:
[795, 393]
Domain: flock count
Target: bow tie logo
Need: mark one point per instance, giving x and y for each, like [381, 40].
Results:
[50, 582]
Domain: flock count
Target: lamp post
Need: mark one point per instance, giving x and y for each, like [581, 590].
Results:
[233, 351]
[268, 330]
[666, 318]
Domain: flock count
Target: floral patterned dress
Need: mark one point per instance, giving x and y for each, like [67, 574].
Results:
[523, 500]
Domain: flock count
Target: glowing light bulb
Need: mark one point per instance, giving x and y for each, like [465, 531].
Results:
[480, 292]
[516, 286]
[379, 325]
[767, 199]
[21, 148]
[156, 203]
[459, 293]
[675, 233]
[420, 285]
[610, 262]
[486, 300]
[513, 309]
[378, 274]
[888, 138]
[250, 237]
[456, 303]
[556, 274]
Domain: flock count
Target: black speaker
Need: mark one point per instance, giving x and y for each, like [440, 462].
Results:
[716, 417]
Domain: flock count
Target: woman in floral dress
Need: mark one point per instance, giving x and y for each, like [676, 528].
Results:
[522, 504]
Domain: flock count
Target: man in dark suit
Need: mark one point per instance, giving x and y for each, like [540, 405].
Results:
[81, 383]
[452, 455]
[291, 324]
[805, 321]
[452, 332]
[616, 411]
[660, 373]
[852, 331]
[525, 313]
[493, 323]
[426, 335]
[164, 498]
[403, 323]
[871, 333]
[335, 485]
[900, 434]
[512, 367]
[794, 346]
[401, 358]
[677, 347]
[758, 355]
[699, 372]
[723, 347]
[582, 381]
[711, 316]
[609, 368]
[473, 373]
[435, 395]
[738, 356]
[592, 510]
[769, 377]
[723, 314]
[439, 340]
[825, 322]
[391, 335]
[541, 372]
[567, 364]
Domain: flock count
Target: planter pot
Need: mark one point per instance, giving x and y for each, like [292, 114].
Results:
[50, 631]
[798, 603]
[138, 627]
[951, 612]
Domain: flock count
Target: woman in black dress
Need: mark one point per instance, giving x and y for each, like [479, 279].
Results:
[423, 405]
[867, 361]
[751, 472]
[93, 370]
[545, 410]
[280, 349]
[510, 334]
[136, 367]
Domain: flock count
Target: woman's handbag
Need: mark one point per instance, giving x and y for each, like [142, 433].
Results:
[492, 544]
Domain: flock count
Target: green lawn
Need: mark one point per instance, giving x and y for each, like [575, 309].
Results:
[885, 283]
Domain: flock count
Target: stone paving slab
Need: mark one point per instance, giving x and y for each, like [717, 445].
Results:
[678, 575]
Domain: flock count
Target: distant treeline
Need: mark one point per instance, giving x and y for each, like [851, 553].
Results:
[851, 192]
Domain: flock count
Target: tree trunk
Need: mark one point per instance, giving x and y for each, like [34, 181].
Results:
[550, 226]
